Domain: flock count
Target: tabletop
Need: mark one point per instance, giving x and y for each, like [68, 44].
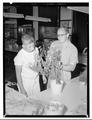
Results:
[73, 97]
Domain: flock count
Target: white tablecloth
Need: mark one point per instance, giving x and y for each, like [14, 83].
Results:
[73, 97]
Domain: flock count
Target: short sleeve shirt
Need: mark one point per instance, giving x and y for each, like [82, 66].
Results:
[26, 59]
[69, 55]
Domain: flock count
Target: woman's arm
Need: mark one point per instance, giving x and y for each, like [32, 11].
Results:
[18, 69]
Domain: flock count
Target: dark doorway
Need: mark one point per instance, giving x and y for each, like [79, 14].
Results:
[80, 36]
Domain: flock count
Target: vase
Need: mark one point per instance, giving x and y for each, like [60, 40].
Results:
[56, 88]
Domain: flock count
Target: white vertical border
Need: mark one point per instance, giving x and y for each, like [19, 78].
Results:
[90, 55]
[1, 49]
[1, 62]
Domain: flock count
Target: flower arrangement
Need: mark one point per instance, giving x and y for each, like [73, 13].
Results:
[51, 68]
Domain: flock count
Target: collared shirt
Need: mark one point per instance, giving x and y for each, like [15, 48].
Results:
[69, 54]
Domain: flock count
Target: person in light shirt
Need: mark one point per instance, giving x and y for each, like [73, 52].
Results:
[69, 53]
[27, 78]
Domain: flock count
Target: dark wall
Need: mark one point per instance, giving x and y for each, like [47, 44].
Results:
[49, 11]
[80, 30]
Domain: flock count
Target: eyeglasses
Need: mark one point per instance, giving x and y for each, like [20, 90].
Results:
[61, 35]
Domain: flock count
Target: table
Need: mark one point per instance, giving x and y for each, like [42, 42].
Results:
[74, 97]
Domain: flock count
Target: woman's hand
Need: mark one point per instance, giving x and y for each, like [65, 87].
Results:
[44, 79]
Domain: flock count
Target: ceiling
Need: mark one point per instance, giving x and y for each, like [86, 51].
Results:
[27, 6]
[49, 10]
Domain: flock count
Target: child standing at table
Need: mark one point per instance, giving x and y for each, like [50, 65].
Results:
[27, 78]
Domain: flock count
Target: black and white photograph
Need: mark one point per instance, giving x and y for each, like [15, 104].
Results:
[46, 60]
